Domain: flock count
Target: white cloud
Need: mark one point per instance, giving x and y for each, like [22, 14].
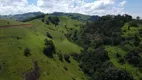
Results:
[122, 3]
[15, 7]
[97, 7]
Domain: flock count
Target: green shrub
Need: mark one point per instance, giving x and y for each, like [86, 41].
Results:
[47, 22]
[0, 67]
[121, 61]
[75, 56]
[65, 67]
[49, 35]
[60, 56]
[27, 52]
[42, 19]
[118, 55]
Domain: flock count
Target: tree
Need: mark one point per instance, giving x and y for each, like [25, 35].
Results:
[60, 56]
[27, 52]
[42, 19]
[76, 56]
[67, 58]
[138, 18]
[137, 40]
[47, 22]
[133, 58]
[8, 22]
[133, 23]
[118, 55]
[129, 27]
[101, 54]
[127, 17]
[0, 67]
[49, 48]
[65, 67]
[121, 60]
[49, 35]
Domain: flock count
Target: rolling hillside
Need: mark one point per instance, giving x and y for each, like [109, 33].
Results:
[14, 40]
[75, 16]
[67, 47]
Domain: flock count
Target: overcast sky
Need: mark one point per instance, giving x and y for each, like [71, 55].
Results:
[89, 7]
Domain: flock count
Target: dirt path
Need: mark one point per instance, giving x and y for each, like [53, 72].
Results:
[20, 25]
[34, 74]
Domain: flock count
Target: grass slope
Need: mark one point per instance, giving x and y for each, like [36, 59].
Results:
[4, 22]
[13, 63]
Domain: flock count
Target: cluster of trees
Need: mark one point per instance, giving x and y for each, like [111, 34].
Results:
[91, 61]
[66, 57]
[107, 30]
[133, 57]
[96, 64]
[54, 20]
[112, 73]
[49, 48]
[137, 40]
[32, 18]
[133, 23]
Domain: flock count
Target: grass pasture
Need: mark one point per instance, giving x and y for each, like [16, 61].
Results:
[13, 41]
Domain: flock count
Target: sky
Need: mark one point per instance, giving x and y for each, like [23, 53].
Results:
[88, 7]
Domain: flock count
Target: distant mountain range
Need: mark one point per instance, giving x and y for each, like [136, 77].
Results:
[20, 17]
[76, 16]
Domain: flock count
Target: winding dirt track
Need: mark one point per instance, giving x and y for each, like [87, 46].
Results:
[20, 25]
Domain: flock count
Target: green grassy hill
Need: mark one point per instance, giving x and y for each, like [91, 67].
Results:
[4, 22]
[13, 41]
